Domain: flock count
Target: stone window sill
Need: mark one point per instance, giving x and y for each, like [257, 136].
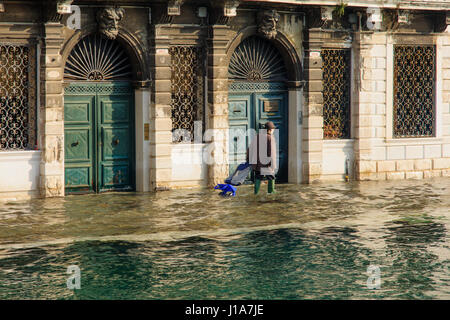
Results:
[18, 152]
[414, 141]
[338, 142]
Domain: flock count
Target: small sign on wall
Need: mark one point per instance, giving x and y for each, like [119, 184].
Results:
[271, 105]
[146, 132]
[162, 51]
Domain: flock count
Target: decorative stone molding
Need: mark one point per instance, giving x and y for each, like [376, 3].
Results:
[267, 23]
[328, 18]
[108, 21]
[403, 17]
[224, 11]
[163, 14]
[326, 13]
[374, 19]
[230, 8]
[174, 7]
[394, 19]
[63, 6]
[55, 9]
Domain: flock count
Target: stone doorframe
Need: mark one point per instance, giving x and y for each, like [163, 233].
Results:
[220, 50]
[55, 51]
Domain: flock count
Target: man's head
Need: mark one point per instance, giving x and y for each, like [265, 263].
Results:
[270, 127]
[267, 23]
[108, 21]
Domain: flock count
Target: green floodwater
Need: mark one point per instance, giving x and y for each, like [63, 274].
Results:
[306, 242]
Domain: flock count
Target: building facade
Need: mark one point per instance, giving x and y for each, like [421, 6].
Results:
[142, 95]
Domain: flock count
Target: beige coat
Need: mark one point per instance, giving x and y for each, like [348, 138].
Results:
[263, 156]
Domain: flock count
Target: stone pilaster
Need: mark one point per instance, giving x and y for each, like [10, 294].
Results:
[445, 67]
[313, 107]
[295, 122]
[160, 114]
[370, 117]
[217, 110]
[51, 113]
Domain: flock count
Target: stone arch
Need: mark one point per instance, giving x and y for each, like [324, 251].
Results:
[140, 79]
[281, 42]
[293, 85]
[132, 46]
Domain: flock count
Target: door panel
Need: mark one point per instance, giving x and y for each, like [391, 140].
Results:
[116, 143]
[79, 143]
[99, 137]
[115, 109]
[239, 111]
[115, 176]
[252, 111]
[78, 179]
[115, 159]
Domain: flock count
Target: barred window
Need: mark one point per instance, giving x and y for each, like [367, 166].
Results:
[187, 90]
[17, 97]
[414, 91]
[336, 93]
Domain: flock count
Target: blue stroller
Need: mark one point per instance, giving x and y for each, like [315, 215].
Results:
[235, 179]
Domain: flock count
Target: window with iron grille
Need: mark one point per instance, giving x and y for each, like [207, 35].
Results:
[414, 91]
[187, 90]
[17, 97]
[336, 93]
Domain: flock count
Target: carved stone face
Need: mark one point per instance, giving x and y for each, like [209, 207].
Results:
[108, 21]
[267, 23]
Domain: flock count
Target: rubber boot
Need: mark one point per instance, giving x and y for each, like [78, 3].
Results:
[271, 186]
[257, 185]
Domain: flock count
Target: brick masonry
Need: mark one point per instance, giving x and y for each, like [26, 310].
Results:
[51, 110]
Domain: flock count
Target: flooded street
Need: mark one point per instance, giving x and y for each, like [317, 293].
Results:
[305, 242]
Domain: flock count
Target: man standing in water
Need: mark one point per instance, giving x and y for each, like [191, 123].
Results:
[262, 156]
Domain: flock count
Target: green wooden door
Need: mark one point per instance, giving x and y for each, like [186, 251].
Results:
[99, 139]
[241, 120]
[250, 106]
[79, 135]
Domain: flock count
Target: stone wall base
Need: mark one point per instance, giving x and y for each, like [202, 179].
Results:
[402, 169]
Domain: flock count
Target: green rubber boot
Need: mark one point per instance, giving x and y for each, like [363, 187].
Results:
[257, 185]
[271, 186]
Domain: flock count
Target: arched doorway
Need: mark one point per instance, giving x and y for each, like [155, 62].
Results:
[98, 118]
[257, 94]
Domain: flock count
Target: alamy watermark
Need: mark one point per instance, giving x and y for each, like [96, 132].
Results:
[74, 20]
[374, 279]
[222, 146]
[74, 280]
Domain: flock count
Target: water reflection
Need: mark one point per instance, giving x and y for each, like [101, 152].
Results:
[306, 242]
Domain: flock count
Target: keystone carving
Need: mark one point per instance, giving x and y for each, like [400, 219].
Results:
[267, 23]
[108, 21]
